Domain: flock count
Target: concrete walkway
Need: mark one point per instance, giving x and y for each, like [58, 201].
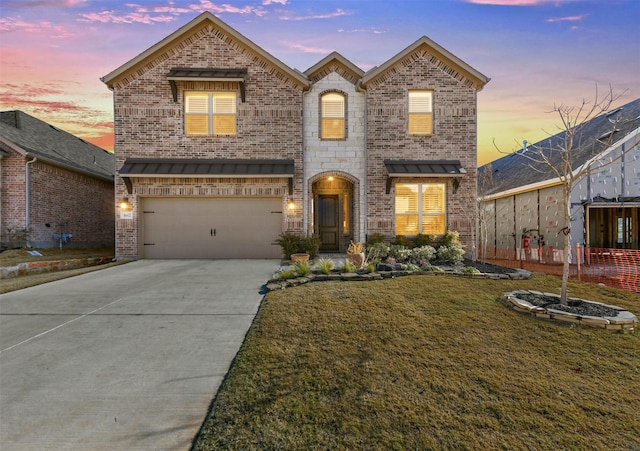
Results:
[124, 358]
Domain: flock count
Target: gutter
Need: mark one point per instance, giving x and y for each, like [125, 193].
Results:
[27, 208]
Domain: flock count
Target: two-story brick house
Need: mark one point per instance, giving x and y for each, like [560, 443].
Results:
[220, 147]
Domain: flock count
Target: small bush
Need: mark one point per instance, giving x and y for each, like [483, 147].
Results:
[347, 266]
[311, 245]
[399, 252]
[424, 253]
[371, 268]
[287, 274]
[402, 240]
[377, 252]
[324, 265]
[374, 238]
[470, 270]
[431, 268]
[303, 268]
[290, 244]
[421, 240]
[452, 254]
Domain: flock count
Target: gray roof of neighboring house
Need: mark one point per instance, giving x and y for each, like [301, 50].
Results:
[33, 137]
[515, 170]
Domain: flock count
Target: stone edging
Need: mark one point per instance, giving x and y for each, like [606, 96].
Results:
[624, 322]
[280, 284]
[39, 267]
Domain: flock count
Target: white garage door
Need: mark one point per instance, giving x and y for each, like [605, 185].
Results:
[211, 227]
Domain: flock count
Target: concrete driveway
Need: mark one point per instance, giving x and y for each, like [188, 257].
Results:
[124, 358]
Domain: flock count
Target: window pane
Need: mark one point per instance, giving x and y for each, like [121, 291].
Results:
[196, 103]
[224, 124]
[197, 124]
[333, 105]
[406, 224]
[224, 103]
[433, 198]
[420, 124]
[420, 102]
[407, 199]
[332, 128]
[433, 224]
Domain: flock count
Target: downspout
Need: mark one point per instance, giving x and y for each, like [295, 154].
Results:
[364, 215]
[305, 188]
[27, 207]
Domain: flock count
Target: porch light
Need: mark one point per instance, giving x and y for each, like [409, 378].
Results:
[291, 204]
[330, 178]
[125, 205]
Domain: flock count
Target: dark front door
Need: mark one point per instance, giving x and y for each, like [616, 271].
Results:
[328, 222]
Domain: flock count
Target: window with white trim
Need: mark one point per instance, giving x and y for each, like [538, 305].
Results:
[210, 113]
[420, 208]
[420, 112]
[332, 111]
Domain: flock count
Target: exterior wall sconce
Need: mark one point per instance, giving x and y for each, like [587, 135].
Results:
[456, 185]
[291, 204]
[125, 205]
[330, 178]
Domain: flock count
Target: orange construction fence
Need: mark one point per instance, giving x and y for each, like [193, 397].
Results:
[618, 268]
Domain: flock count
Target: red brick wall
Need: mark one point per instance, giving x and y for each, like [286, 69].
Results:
[149, 124]
[85, 204]
[454, 138]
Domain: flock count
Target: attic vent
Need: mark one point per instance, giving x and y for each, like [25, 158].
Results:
[612, 112]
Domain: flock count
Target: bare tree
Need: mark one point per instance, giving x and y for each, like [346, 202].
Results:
[557, 156]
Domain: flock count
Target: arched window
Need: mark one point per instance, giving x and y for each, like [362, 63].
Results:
[333, 115]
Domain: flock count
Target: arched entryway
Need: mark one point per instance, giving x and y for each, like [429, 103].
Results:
[333, 210]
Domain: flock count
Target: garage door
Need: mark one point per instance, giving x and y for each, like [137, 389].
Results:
[211, 228]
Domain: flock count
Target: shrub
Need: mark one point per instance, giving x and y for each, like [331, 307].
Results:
[421, 240]
[290, 244]
[470, 270]
[431, 268]
[402, 240]
[311, 245]
[303, 268]
[399, 252]
[423, 254]
[347, 266]
[452, 254]
[287, 274]
[325, 265]
[377, 252]
[371, 268]
[374, 238]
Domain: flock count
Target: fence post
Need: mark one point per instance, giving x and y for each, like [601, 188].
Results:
[578, 260]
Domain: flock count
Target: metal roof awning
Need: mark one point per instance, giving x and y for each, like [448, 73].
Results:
[211, 168]
[422, 168]
[205, 74]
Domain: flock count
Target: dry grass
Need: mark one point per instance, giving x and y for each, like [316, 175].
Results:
[427, 363]
[12, 257]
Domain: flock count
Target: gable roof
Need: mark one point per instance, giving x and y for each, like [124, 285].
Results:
[515, 171]
[448, 62]
[348, 70]
[201, 21]
[32, 137]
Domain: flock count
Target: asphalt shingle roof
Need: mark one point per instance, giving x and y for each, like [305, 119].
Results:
[515, 170]
[50, 144]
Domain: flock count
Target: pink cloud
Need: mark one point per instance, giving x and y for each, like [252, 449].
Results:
[304, 49]
[271, 2]
[337, 13]
[516, 2]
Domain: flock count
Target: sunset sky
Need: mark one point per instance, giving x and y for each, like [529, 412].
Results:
[536, 52]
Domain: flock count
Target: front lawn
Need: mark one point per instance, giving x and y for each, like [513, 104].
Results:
[427, 362]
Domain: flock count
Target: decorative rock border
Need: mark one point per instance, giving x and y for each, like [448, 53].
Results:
[624, 321]
[280, 284]
[38, 267]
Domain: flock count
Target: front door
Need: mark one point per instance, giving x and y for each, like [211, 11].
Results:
[329, 222]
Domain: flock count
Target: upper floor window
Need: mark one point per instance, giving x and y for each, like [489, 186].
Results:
[420, 208]
[420, 112]
[332, 111]
[210, 113]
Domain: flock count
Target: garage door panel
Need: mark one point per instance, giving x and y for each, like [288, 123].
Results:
[211, 227]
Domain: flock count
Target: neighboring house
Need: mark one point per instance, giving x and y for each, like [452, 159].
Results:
[523, 201]
[220, 147]
[55, 188]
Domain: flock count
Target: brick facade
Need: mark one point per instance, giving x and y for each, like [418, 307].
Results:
[68, 201]
[280, 120]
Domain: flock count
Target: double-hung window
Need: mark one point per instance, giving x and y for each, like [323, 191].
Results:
[420, 112]
[420, 208]
[210, 113]
[332, 111]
